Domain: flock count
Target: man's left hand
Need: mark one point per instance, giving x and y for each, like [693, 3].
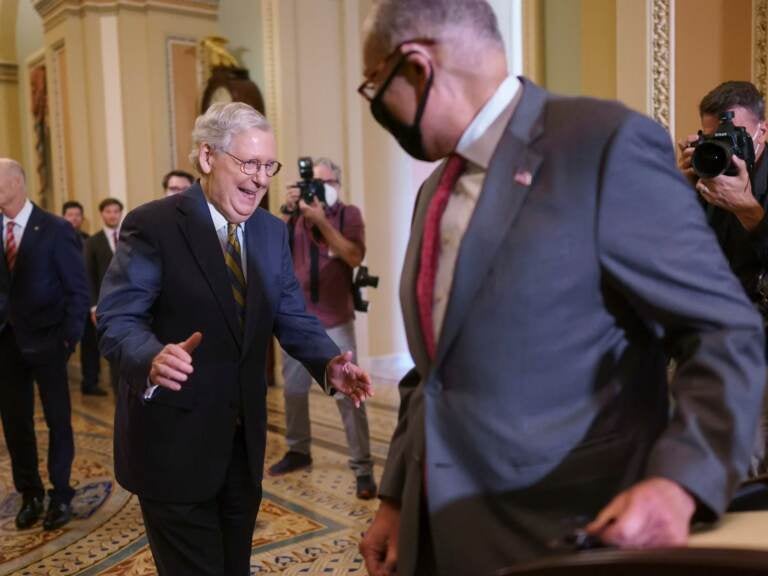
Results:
[349, 379]
[654, 513]
[314, 213]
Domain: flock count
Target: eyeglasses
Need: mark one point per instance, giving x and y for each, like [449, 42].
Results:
[252, 167]
[368, 88]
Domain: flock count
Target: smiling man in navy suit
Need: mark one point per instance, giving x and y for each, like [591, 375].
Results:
[200, 283]
[43, 303]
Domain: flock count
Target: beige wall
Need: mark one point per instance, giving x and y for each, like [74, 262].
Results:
[598, 48]
[713, 43]
[10, 126]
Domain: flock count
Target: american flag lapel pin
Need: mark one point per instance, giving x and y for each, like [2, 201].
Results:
[523, 177]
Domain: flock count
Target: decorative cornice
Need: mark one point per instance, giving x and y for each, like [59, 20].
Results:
[54, 11]
[662, 82]
[760, 45]
[9, 73]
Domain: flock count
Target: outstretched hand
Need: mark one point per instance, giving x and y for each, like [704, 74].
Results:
[349, 379]
[173, 364]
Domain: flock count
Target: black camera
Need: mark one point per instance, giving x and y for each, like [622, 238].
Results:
[309, 186]
[362, 279]
[713, 153]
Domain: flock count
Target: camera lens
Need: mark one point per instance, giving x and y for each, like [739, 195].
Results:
[711, 158]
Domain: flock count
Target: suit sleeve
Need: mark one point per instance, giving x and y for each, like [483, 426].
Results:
[300, 334]
[657, 250]
[68, 259]
[128, 292]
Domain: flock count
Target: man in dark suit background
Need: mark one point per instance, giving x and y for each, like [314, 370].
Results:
[42, 316]
[72, 212]
[99, 250]
[200, 282]
[553, 255]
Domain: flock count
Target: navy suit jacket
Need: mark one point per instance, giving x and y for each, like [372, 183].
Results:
[549, 394]
[167, 280]
[46, 296]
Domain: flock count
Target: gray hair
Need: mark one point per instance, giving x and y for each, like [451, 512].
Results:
[331, 165]
[393, 22]
[14, 168]
[220, 123]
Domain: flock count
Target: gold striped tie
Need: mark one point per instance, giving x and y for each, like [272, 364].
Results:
[234, 261]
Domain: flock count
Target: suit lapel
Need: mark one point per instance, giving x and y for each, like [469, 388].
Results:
[506, 185]
[410, 274]
[194, 219]
[32, 234]
[256, 248]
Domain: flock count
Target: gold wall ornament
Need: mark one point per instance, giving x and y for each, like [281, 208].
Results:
[760, 45]
[662, 85]
[215, 55]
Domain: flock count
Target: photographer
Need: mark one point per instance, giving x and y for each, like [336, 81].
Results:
[327, 241]
[736, 201]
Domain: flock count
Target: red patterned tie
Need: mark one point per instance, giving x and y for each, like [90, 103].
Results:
[430, 248]
[10, 246]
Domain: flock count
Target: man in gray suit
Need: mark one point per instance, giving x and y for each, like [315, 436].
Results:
[556, 256]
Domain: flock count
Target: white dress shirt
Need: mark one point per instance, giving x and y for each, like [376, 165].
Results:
[220, 225]
[477, 145]
[19, 224]
[110, 234]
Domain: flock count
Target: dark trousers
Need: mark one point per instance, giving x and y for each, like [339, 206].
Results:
[90, 360]
[17, 412]
[211, 538]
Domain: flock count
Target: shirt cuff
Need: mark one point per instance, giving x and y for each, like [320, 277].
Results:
[150, 390]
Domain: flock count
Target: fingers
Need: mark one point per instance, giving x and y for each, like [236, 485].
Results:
[192, 342]
[166, 383]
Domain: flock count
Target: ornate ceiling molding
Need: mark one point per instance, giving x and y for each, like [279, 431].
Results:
[760, 44]
[662, 60]
[54, 11]
[9, 73]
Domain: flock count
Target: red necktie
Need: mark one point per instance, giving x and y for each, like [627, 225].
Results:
[430, 248]
[10, 246]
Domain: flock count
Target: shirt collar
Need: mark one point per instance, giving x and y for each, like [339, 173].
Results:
[481, 137]
[219, 221]
[22, 218]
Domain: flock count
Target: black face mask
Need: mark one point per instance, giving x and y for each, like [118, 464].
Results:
[408, 136]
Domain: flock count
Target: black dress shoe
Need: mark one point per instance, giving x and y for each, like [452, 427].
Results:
[366, 487]
[94, 392]
[291, 462]
[31, 509]
[58, 514]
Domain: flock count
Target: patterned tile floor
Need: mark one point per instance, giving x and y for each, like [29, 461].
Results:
[309, 523]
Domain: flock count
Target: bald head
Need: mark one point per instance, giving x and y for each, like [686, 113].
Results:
[13, 191]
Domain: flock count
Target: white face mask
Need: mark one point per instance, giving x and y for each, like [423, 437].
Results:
[757, 145]
[331, 196]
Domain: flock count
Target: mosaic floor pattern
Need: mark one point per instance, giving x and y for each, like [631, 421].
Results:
[309, 523]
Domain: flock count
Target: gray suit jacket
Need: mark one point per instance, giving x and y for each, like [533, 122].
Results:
[549, 391]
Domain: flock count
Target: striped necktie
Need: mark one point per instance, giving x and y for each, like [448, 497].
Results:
[10, 246]
[234, 261]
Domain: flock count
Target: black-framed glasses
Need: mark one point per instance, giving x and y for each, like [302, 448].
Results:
[252, 167]
[368, 88]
